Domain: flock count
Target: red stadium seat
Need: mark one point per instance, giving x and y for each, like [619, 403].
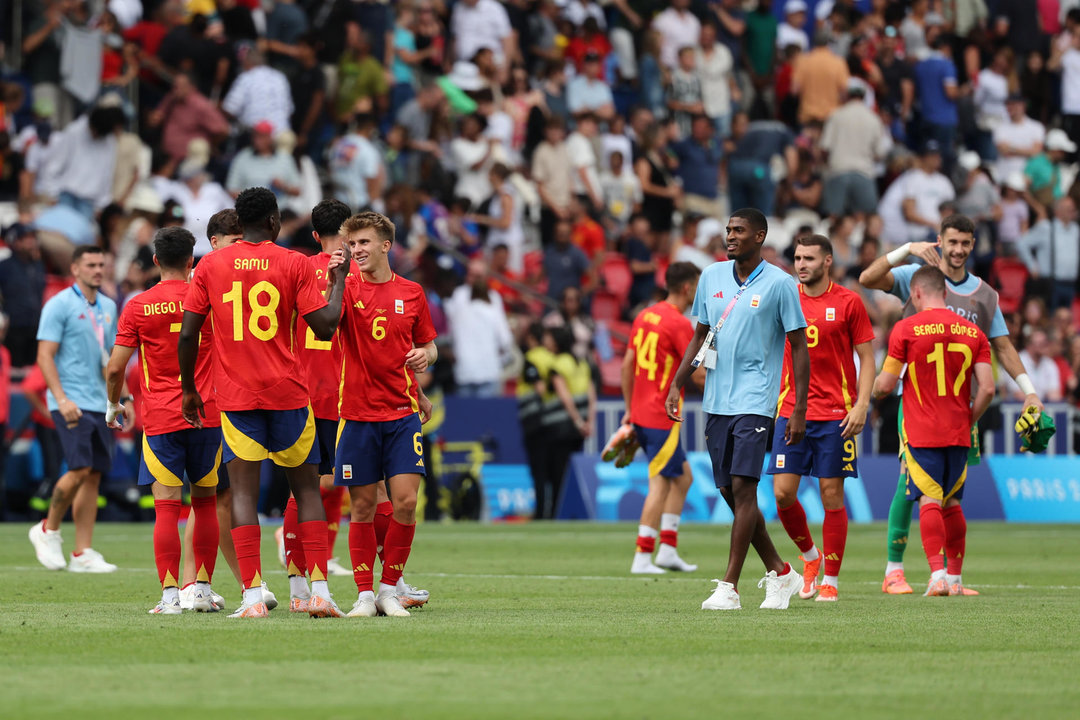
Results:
[1009, 276]
[616, 276]
[607, 306]
[611, 376]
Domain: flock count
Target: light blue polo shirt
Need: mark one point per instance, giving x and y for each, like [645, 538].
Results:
[750, 346]
[902, 289]
[65, 319]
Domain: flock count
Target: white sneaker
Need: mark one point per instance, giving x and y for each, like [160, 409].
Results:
[279, 535]
[333, 567]
[724, 597]
[409, 596]
[165, 608]
[218, 600]
[47, 546]
[187, 597]
[643, 565]
[203, 600]
[364, 606]
[779, 589]
[668, 557]
[269, 598]
[387, 604]
[90, 561]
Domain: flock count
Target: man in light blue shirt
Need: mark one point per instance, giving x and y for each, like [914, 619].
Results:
[356, 166]
[746, 309]
[75, 337]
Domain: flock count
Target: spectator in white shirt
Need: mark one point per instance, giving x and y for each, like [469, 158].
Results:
[678, 28]
[479, 333]
[588, 92]
[1040, 367]
[1018, 138]
[200, 198]
[82, 159]
[471, 154]
[1051, 249]
[259, 94]
[477, 24]
[910, 209]
[790, 32]
[357, 174]
[586, 174]
[1065, 58]
[261, 165]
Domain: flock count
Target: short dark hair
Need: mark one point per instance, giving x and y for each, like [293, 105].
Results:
[173, 247]
[815, 241]
[754, 217]
[222, 223]
[958, 222]
[85, 250]
[930, 279]
[255, 206]
[328, 215]
[564, 339]
[680, 273]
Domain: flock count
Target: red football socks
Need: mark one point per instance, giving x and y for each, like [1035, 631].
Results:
[834, 538]
[399, 539]
[383, 512]
[167, 542]
[246, 538]
[669, 537]
[331, 501]
[646, 544]
[362, 553]
[794, 519]
[295, 561]
[932, 528]
[205, 541]
[313, 537]
[955, 538]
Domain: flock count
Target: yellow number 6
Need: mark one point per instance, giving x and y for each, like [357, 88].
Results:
[378, 328]
[417, 445]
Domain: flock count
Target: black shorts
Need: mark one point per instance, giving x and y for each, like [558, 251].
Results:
[737, 445]
[326, 438]
[88, 444]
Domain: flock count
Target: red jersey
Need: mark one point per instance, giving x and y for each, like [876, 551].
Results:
[380, 324]
[151, 322]
[939, 350]
[34, 384]
[251, 292]
[321, 359]
[836, 321]
[659, 337]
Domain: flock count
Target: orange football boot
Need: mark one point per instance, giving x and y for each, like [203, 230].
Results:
[809, 577]
[896, 584]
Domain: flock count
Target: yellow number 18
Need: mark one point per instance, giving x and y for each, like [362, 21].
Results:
[258, 310]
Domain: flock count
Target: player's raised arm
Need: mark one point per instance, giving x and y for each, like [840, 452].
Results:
[879, 275]
[683, 373]
[800, 364]
[187, 348]
[324, 321]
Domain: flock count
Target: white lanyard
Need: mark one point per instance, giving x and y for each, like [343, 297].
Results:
[98, 328]
[710, 339]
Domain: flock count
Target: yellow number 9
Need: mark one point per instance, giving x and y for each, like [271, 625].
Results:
[378, 328]
[811, 336]
[849, 450]
[417, 445]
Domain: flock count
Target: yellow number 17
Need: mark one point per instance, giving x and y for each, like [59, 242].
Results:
[937, 358]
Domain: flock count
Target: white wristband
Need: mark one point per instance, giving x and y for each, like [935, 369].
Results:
[1025, 384]
[897, 256]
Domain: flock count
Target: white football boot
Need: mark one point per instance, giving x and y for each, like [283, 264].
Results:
[47, 546]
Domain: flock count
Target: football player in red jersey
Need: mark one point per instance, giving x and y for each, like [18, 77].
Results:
[321, 361]
[941, 353]
[252, 288]
[223, 229]
[388, 336]
[837, 329]
[149, 323]
[658, 339]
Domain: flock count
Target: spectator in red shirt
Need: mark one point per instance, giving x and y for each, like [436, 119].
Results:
[587, 234]
[33, 389]
[591, 39]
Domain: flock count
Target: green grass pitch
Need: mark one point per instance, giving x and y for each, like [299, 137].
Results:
[544, 621]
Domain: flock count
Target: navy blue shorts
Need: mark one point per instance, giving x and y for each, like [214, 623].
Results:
[737, 445]
[88, 444]
[823, 452]
[285, 436]
[664, 450]
[170, 457]
[368, 452]
[326, 437]
[222, 474]
[938, 473]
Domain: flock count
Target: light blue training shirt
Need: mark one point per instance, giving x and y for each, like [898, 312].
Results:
[750, 346]
[66, 319]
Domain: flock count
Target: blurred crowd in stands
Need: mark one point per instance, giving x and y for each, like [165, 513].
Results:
[546, 160]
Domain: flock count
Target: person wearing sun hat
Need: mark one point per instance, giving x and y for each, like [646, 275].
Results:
[1045, 170]
[260, 165]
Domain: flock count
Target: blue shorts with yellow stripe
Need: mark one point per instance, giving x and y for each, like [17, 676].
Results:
[823, 452]
[368, 452]
[974, 456]
[170, 457]
[285, 436]
[664, 450]
[938, 473]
